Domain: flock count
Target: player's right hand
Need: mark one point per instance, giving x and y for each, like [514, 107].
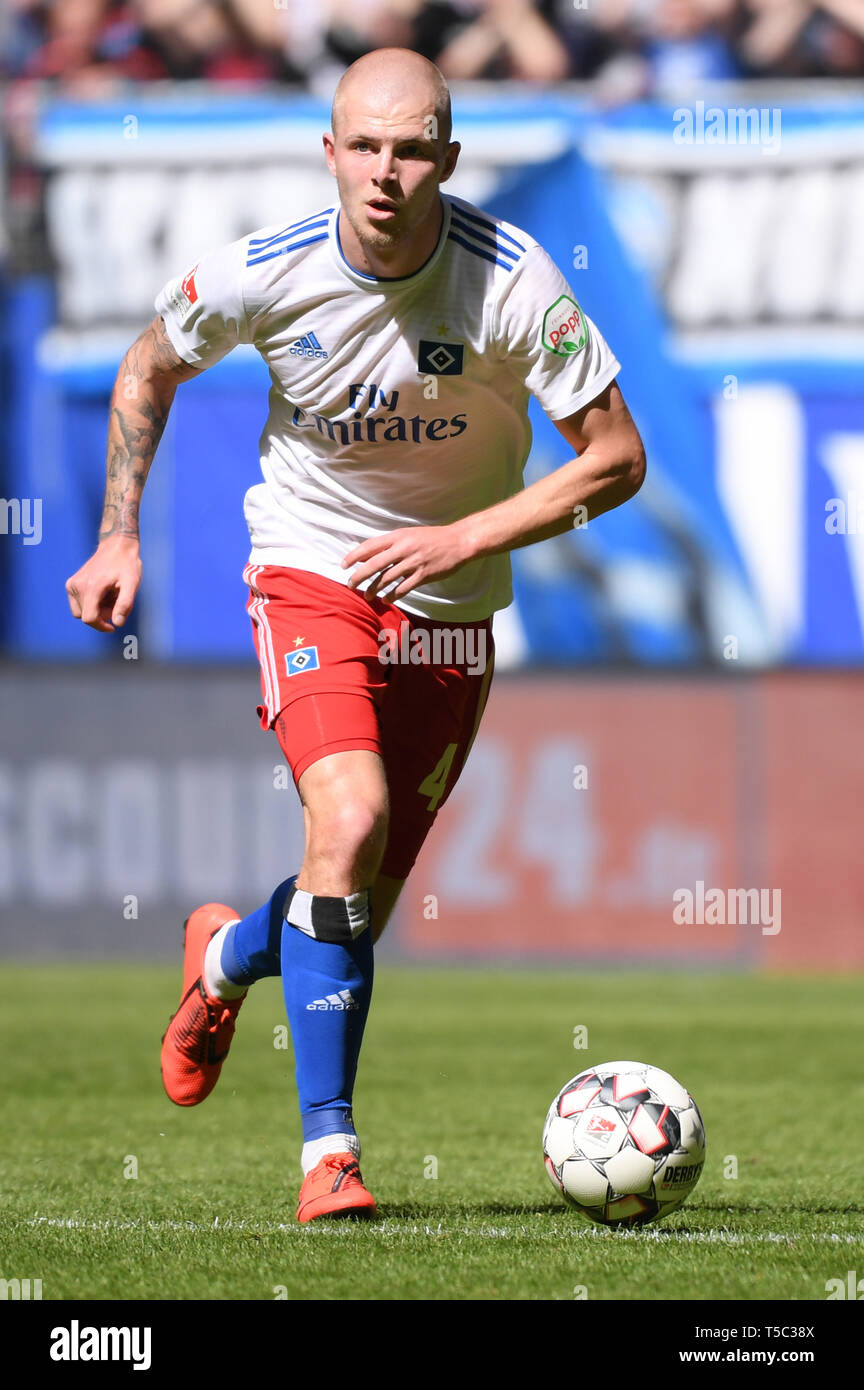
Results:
[103, 591]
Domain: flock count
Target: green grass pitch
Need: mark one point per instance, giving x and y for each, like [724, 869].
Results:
[458, 1070]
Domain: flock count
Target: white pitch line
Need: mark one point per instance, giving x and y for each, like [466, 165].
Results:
[387, 1227]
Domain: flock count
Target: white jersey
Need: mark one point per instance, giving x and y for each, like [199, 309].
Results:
[394, 402]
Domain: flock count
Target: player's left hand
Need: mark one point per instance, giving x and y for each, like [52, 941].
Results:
[402, 560]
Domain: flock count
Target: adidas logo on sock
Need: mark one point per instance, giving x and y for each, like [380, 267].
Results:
[307, 346]
[343, 1000]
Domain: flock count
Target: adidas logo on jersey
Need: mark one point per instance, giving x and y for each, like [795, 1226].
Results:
[343, 1000]
[307, 346]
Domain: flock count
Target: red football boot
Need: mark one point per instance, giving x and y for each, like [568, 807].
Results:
[199, 1035]
[334, 1187]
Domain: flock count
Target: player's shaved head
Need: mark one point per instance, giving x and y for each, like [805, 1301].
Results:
[389, 151]
[390, 79]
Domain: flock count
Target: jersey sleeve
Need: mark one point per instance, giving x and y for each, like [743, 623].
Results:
[549, 341]
[203, 309]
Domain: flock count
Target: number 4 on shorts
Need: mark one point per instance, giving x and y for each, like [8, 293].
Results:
[435, 785]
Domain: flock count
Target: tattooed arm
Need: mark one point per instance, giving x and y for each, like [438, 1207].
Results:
[103, 590]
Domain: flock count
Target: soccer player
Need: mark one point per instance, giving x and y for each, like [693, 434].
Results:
[405, 331]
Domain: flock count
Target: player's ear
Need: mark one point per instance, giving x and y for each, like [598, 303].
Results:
[330, 152]
[454, 149]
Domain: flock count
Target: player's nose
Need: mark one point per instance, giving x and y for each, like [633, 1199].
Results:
[384, 170]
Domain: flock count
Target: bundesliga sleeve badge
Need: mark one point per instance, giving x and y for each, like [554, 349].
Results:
[183, 294]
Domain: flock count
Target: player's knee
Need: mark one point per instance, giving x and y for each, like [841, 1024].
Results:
[352, 835]
[361, 826]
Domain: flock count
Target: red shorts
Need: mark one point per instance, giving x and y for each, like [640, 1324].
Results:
[347, 672]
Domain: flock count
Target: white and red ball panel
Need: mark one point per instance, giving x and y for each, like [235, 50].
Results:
[600, 1131]
[553, 1174]
[578, 1094]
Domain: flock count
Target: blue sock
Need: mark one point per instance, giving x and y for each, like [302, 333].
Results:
[328, 988]
[252, 949]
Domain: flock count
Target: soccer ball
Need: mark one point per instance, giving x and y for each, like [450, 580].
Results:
[624, 1143]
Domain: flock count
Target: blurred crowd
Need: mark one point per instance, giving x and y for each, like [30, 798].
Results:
[627, 49]
[87, 47]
